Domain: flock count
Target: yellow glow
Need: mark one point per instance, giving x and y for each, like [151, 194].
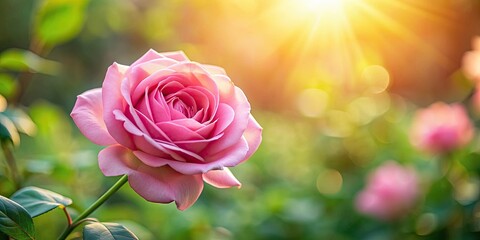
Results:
[343, 46]
[322, 3]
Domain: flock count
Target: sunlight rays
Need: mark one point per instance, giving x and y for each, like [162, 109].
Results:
[311, 27]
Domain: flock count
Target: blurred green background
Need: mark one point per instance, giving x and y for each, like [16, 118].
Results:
[333, 83]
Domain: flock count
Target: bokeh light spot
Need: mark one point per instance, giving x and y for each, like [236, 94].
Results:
[377, 78]
[467, 191]
[337, 124]
[426, 224]
[312, 102]
[329, 182]
[364, 109]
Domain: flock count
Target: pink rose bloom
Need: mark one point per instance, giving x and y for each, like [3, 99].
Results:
[441, 128]
[471, 61]
[391, 191]
[169, 124]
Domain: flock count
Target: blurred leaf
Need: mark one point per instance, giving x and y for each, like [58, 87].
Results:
[3, 103]
[21, 120]
[7, 85]
[15, 220]
[53, 127]
[59, 21]
[140, 231]
[8, 131]
[24, 60]
[471, 162]
[3, 236]
[107, 231]
[38, 201]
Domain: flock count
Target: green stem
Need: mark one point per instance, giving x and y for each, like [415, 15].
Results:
[94, 206]
[12, 165]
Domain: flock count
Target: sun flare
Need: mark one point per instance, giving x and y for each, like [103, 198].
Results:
[322, 4]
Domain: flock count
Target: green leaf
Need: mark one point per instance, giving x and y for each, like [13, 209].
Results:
[140, 231]
[15, 220]
[38, 201]
[23, 60]
[107, 231]
[59, 21]
[8, 131]
[8, 85]
[21, 120]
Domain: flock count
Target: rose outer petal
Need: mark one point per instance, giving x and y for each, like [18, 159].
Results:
[88, 116]
[161, 185]
[253, 135]
[152, 55]
[221, 178]
[112, 100]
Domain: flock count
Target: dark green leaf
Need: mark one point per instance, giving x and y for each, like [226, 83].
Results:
[107, 231]
[23, 60]
[3, 236]
[38, 201]
[15, 220]
[60, 21]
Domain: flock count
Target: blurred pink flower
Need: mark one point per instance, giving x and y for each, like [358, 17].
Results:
[471, 61]
[391, 191]
[169, 124]
[441, 128]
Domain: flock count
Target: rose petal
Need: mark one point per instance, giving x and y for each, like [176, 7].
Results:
[196, 145]
[177, 55]
[234, 131]
[228, 158]
[157, 79]
[206, 130]
[197, 74]
[162, 185]
[178, 132]
[148, 56]
[88, 116]
[214, 69]
[112, 100]
[253, 135]
[221, 178]
[128, 125]
[225, 116]
[154, 148]
[117, 160]
[159, 148]
[189, 123]
[148, 68]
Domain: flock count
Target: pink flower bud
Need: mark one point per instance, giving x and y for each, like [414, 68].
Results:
[391, 191]
[441, 128]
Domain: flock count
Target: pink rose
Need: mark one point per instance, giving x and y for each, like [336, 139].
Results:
[441, 128]
[169, 124]
[391, 191]
[471, 61]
